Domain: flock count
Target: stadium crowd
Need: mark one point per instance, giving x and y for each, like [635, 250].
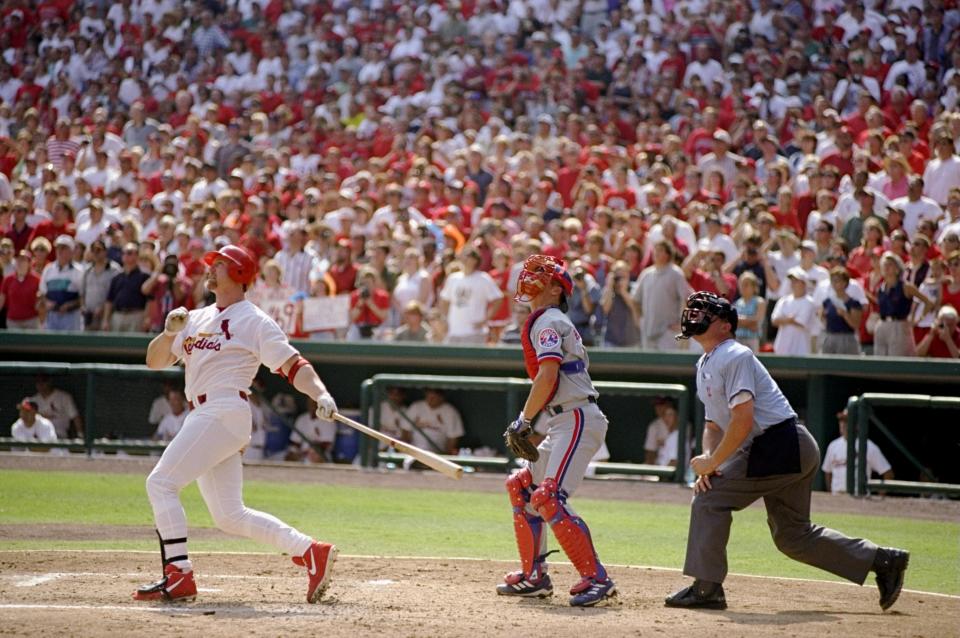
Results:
[799, 157]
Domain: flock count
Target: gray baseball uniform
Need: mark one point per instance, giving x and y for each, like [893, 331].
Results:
[777, 462]
[575, 427]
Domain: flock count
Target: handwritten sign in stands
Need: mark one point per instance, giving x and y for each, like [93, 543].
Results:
[326, 313]
[283, 311]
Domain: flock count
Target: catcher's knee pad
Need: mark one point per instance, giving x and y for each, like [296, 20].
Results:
[527, 527]
[571, 532]
[518, 487]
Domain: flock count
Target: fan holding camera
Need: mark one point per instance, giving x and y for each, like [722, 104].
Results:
[369, 306]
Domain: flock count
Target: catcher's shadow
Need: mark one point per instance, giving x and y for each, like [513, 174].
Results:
[566, 610]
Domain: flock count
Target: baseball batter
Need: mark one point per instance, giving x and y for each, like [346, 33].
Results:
[222, 347]
[557, 363]
[755, 448]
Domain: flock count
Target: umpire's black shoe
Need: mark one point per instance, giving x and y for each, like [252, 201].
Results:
[701, 594]
[890, 565]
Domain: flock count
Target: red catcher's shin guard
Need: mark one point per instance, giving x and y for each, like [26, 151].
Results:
[528, 528]
[571, 532]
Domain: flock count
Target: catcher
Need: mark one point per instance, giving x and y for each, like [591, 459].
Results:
[556, 361]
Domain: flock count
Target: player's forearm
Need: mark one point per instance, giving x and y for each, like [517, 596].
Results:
[158, 352]
[540, 392]
[308, 382]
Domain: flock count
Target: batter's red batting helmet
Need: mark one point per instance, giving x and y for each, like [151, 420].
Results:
[242, 266]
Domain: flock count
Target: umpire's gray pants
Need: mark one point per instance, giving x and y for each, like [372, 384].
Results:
[787, 497]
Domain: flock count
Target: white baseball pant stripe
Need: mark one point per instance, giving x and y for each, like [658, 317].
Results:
[207, 450]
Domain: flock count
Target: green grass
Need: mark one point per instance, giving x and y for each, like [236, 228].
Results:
[449, 523]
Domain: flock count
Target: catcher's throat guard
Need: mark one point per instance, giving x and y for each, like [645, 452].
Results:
[702, 309]
[539, 271]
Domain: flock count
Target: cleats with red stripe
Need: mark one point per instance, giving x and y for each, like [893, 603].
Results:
[175, 586]
[319, 561]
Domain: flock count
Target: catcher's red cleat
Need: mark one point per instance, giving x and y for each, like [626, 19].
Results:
[319, 561]
[175, 586]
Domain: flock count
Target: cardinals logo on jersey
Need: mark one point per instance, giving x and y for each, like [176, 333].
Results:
[207, 340]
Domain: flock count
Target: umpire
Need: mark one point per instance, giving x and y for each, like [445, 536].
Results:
[754, 447]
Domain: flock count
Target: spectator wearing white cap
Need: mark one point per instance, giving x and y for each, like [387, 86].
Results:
[794, 316]
[720, 158]
[60, 285]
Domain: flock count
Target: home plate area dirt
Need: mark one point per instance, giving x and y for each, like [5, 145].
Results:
[78, 593]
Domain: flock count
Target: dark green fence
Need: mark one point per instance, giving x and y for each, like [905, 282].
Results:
[928, 412]
[503, 407]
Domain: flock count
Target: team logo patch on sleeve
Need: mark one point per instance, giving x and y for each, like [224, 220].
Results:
[548, 338]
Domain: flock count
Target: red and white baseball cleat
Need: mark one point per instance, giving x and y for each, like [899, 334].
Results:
[319, 561]
[175, 586]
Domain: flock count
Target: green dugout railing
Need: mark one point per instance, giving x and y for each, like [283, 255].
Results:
[373, 392]
[861, 415]
[98, 392]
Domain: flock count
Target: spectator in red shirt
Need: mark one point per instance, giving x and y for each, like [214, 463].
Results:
[369, 306]
[61, 224]
[704, 272]
[842, 158]
[943, 341]
[342, 270]
[18, 295]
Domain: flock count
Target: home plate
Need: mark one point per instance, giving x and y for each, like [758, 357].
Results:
[383, 582]
[208, 589]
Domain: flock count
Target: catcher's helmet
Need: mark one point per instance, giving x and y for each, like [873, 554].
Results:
[538, 271]
[701, 310]
[242, 265]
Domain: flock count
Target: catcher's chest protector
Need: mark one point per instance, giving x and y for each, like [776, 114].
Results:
[529, 354]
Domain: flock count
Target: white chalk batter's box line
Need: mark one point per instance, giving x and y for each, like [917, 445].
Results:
[431, 558]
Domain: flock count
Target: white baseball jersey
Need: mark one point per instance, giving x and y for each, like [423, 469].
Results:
[59, 407]
[41, 431]
[316, 430]
[170, 424]
[222, 350]
[440, 424]
[835, 462]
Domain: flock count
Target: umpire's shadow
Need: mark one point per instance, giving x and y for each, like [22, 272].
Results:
[785, 617]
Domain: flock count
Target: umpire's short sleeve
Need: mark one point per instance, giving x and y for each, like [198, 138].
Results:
[740, 376]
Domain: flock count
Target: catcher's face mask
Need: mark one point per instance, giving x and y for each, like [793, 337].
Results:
[539, 271]
[703, 308]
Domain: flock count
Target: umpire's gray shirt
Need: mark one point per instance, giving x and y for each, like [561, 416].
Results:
[728, 370]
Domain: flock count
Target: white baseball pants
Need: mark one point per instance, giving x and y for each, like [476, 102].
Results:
[207, 450]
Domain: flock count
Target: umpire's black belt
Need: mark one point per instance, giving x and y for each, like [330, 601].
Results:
[554, 410]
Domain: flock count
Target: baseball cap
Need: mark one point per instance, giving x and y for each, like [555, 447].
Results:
[64, 240]
[797, 273]
[28, 404]
[806, 244]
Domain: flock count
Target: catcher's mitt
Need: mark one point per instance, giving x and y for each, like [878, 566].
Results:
[517, 437]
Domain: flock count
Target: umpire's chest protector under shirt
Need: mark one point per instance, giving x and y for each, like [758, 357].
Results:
[732, 368]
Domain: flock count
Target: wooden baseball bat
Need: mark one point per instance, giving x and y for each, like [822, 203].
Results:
[435, 461]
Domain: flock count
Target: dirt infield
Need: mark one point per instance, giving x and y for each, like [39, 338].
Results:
[88, 594]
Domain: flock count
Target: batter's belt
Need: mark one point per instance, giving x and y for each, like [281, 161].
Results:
[203, 398]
